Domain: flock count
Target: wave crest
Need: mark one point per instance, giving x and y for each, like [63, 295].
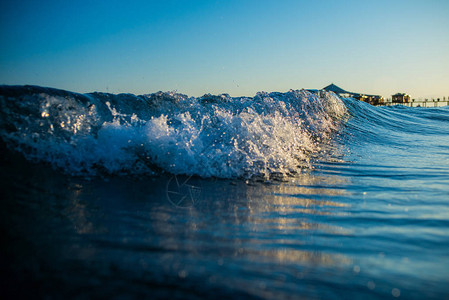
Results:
[209, 136]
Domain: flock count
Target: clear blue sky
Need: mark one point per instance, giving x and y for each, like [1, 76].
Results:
[237, 47]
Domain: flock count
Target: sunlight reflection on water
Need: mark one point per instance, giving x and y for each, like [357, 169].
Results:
[313, 235]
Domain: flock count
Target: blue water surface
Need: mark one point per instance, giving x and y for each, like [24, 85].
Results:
[368, 221]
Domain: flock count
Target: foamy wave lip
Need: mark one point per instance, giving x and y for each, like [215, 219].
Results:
[209, 136]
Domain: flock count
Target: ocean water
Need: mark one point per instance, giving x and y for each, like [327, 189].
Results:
[279, 196]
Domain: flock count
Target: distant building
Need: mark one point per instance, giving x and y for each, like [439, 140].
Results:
[400, 98]
[371, 99]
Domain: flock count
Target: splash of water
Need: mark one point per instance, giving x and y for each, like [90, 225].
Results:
[209, 136]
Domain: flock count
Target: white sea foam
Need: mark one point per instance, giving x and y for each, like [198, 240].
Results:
[208, 136]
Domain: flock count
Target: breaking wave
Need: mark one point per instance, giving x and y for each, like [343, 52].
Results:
[209, 136]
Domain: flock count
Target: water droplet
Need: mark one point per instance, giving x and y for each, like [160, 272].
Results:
[396, 292]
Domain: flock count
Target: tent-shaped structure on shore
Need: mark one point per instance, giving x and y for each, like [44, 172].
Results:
[372, 99]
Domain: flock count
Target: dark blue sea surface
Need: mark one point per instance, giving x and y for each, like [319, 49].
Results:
[280, 196]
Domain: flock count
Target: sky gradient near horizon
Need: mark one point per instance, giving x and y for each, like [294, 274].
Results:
[236, 46]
